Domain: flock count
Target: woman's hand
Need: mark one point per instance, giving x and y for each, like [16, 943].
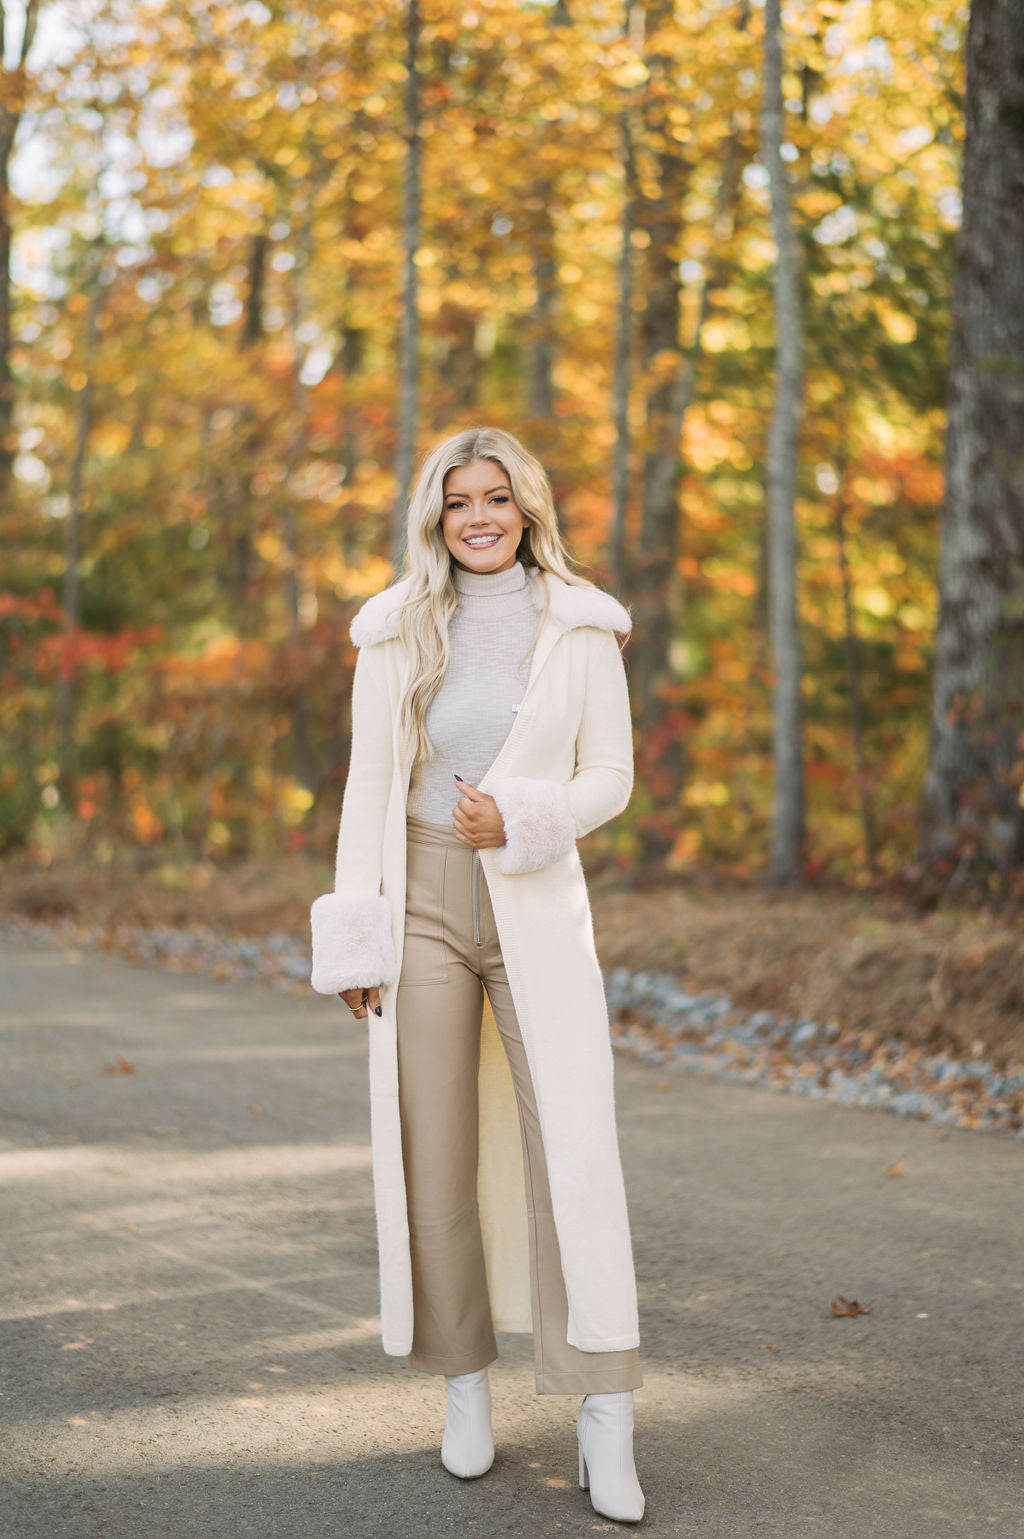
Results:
[477, 819]
[358, 1000]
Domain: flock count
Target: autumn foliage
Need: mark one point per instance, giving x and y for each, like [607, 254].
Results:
[207, 243]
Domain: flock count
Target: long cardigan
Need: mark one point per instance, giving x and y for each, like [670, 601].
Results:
[565, 767]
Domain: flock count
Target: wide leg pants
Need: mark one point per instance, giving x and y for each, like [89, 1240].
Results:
[451, 955]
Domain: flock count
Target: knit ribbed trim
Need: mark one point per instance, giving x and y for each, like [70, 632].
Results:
[487, 584]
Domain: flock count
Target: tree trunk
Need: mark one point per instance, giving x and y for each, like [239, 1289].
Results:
[298, 441]
[659, 213]
[540, 357]
[851, 644]
[252, 318]
[540, 353]
[972, 808]
[788, 808]
[72, 541]
[673, 384]
[623, 339]
[410, 313]
[12, 104]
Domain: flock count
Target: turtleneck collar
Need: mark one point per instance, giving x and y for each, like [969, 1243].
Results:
[489, 584]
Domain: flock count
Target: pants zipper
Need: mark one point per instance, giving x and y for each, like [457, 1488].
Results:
[476, 898]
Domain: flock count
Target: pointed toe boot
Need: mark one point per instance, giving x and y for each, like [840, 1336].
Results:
[467, 1448]
[605, 1435]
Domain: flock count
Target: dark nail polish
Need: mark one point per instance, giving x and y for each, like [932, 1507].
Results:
[377, 1010]
[458, 777]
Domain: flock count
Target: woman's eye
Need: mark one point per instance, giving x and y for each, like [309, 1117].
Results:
[499, 499]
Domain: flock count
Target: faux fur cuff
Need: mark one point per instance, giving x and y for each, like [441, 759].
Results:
[353, 946]
[539, 825]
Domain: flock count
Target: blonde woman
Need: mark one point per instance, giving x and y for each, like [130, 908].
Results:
[490, 731]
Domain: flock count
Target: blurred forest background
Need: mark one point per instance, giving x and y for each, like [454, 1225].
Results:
[263, 255]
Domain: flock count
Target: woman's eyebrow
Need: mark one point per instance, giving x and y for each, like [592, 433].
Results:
[486, 494]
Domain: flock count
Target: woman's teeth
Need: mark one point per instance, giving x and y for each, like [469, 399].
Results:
[482, 539]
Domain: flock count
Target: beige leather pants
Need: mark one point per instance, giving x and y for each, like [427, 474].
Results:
[451, 955]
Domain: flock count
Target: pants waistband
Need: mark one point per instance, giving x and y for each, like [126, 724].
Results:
[419, 831]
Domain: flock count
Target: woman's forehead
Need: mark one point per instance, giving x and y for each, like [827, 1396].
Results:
[477, 473]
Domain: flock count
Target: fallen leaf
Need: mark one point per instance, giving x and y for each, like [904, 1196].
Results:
[899, 1168]
[119, 1066]
[848, 1307]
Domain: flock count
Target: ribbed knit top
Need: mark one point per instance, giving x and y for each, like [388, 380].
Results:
[491, 637]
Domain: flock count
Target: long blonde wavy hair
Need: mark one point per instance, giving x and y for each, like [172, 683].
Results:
[432, 598]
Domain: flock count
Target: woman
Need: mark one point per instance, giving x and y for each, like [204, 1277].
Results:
[490, 730]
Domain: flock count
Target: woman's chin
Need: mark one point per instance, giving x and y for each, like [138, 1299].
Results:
[493, 559]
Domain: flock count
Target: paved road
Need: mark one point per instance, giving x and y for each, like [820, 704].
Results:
[189, 1346]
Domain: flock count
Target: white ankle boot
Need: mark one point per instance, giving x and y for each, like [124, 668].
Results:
[467, 1448]
[605, 1435]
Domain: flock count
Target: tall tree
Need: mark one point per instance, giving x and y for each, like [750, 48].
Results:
[72, 530]
[624, 327]
[13, 82]
[409, 377]
[788, 802]
[663, 178]
[972, 799]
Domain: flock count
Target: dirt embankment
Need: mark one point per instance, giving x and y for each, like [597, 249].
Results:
[951, 978]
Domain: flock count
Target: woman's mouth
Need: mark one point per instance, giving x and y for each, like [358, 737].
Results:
[480, 541]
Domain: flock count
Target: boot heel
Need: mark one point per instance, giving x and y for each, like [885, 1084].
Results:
[604, 1432]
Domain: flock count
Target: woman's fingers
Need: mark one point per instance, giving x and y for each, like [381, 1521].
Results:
[360, 1001]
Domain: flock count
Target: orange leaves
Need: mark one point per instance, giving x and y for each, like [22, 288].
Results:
[120, 1065]
[846, 1309]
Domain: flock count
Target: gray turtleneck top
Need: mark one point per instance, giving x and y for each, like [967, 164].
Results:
[491, 636]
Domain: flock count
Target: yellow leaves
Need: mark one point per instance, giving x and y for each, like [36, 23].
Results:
[700, 793]
[109, 439]
[726, 334]
[295, 802]
[269, 547]
[914, 617]
[899, 326]
[875, 600]
[627, 75]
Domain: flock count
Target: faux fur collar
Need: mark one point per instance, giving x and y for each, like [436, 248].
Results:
[568, 606]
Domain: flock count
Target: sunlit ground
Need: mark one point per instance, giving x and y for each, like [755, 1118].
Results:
[188, 1314]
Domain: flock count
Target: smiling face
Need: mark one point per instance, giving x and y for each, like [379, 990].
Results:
[482, 523]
